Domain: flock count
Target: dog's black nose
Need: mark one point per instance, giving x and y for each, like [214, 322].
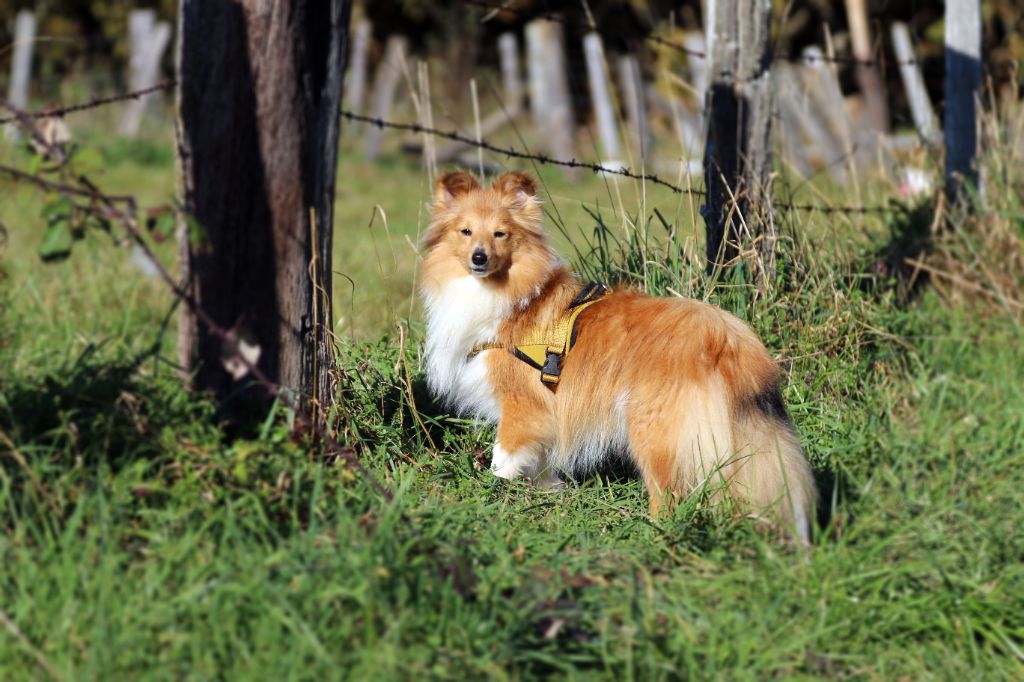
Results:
[479, 257]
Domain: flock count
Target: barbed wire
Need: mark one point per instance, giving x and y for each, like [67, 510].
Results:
[515, 153]
[689, 51]
[597, 168]
[60, 112]
[455, 136]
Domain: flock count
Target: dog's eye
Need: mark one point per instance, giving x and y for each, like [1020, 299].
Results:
[499, 235]
[466, 231]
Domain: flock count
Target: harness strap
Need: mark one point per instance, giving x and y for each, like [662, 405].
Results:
[545, 348]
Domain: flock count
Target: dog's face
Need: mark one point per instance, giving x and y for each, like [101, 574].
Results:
[481, 228]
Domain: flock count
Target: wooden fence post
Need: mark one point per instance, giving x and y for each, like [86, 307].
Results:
[147, 40]
[868, 77]
[385, 83]
[913, 83]
[737, 154]
[426, 116]
[963, 87]
[831, 114]
[631, 85]
[21, 65]
[549, 87]
[259, 102]
[801, 134]
[355, 84]
[600, 96]
[511, 75]
[512, 106]
[693, 42]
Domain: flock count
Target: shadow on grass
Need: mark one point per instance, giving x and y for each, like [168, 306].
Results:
[892, 264]
[836, 497]
[93, 410]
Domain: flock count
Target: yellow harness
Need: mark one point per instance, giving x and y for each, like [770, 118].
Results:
[545, 347]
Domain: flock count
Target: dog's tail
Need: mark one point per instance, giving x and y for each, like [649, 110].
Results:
[766, 466]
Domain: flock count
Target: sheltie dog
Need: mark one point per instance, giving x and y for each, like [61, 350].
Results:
[683, 390]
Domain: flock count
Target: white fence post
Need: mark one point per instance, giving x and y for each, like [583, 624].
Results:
[21, 64]
[385, 83]
[869, 79]
[963, 87]
[147, 40]
[600, 96]
[549, 87]
[693, 42]
[355, 83]
[631, 83]
[913, 83]
[511, 74]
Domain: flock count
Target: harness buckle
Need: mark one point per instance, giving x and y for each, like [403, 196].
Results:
[549, 374]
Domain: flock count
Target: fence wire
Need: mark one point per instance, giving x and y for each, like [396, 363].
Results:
[508, 152]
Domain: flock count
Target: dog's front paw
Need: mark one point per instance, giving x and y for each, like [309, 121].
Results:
[548, 480]
[503, 465]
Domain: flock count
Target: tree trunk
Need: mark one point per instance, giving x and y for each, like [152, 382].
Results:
[259, 98]
[737, 154]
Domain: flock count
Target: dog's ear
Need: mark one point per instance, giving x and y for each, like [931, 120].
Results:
[519, 186]
[451, 185]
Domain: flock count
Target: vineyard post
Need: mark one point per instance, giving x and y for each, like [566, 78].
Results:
[869, 79]
[737, 154]
[632, 89]
[259, 99]
[147, 40]
[550, 101]
[913, 83]
[385, 85]
[355, 88]
[600, 96]
[511, 78]
[963, 87]
[21, 63]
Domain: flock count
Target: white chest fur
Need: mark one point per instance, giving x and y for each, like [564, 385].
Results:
[462, 314]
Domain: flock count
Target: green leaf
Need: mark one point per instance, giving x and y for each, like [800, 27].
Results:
[87, 161]
[59, 208]
[57, 241]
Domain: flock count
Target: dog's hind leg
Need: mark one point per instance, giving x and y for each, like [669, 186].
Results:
[654, 455]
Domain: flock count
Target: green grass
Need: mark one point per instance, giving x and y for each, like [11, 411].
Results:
[143, 538]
